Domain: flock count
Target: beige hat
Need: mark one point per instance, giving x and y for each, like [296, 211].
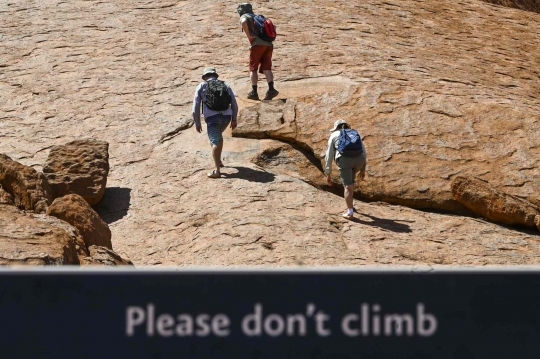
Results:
[337, 123]
[209, 71]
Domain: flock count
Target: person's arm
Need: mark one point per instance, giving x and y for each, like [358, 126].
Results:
[245, 27]
[196, 110]
[363, 172]
[234, 108]
[330, 154]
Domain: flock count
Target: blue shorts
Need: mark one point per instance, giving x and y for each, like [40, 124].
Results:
[215, 126]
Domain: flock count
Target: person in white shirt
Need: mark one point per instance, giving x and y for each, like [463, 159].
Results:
[216, 120]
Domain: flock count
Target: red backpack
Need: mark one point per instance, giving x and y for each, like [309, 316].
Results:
[265, 28]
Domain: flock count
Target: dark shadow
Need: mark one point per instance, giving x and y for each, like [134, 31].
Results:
[388, 224]
[114, 205]
[249, 174]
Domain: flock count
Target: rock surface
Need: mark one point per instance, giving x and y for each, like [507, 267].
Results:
[528, 5]
[437, 88]
[27, 239]
[100, 256]
[79, 167]
[73, 209]
[482, 198]
[28, 188]
[6, 198]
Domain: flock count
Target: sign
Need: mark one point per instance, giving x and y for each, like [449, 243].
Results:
[138, 314]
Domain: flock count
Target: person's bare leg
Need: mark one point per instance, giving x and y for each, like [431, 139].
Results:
[254, 76]
[349, 192]
[269, 75]
[216, 154]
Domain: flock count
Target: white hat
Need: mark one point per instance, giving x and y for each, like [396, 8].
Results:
[337, 123]
[209, 71]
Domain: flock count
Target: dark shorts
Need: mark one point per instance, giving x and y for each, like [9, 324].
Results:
[260, 55]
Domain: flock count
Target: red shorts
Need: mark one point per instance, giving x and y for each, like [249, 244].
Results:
[260, 55]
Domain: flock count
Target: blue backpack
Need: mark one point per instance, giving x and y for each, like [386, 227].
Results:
[264, 27]
[349, 143]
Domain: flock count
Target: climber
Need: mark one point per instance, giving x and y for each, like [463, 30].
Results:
[345, 146]
[260, 52]
[219, 109]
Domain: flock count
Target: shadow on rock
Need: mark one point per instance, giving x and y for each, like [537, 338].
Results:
[388, 224]
[249, 174]
[114, 205]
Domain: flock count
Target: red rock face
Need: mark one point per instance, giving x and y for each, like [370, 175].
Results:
[437, 89]
[79, 167]
[26, 187]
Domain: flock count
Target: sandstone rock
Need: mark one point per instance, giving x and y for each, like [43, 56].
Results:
[76, 211]
[28, 187]
[101, 256]
[537, 222]
[184, 125]
[73, 232]
[437, 88]
[6, 198]
[528, 5]
[497, 206]
[27, 239]
[79, 167]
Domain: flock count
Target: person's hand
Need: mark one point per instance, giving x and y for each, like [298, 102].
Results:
[233, 124]
[198, 128]
[362, 175]
[329, 180]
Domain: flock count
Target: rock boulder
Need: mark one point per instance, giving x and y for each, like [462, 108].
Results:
[76, 211]
[79, 167]
[28, 187]
[27, 239]
[497, 206]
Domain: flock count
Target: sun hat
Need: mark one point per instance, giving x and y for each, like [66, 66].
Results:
[337, 123]
[209, 71]
[244, 8]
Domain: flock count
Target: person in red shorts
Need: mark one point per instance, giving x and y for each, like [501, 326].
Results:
[260, 54]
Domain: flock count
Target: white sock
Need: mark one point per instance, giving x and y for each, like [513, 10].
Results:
[350, 211]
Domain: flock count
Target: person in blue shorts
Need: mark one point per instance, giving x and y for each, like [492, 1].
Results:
[219, 109]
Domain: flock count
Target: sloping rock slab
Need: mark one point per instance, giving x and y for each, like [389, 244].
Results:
[497, 206]
[77, 212]
[28, 187]
[101, 256]
[27, 239]
[79, 167]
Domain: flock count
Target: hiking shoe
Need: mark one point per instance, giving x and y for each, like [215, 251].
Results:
[270, 94]
[252, 95]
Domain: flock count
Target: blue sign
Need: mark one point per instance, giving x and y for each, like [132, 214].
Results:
[269, 314]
